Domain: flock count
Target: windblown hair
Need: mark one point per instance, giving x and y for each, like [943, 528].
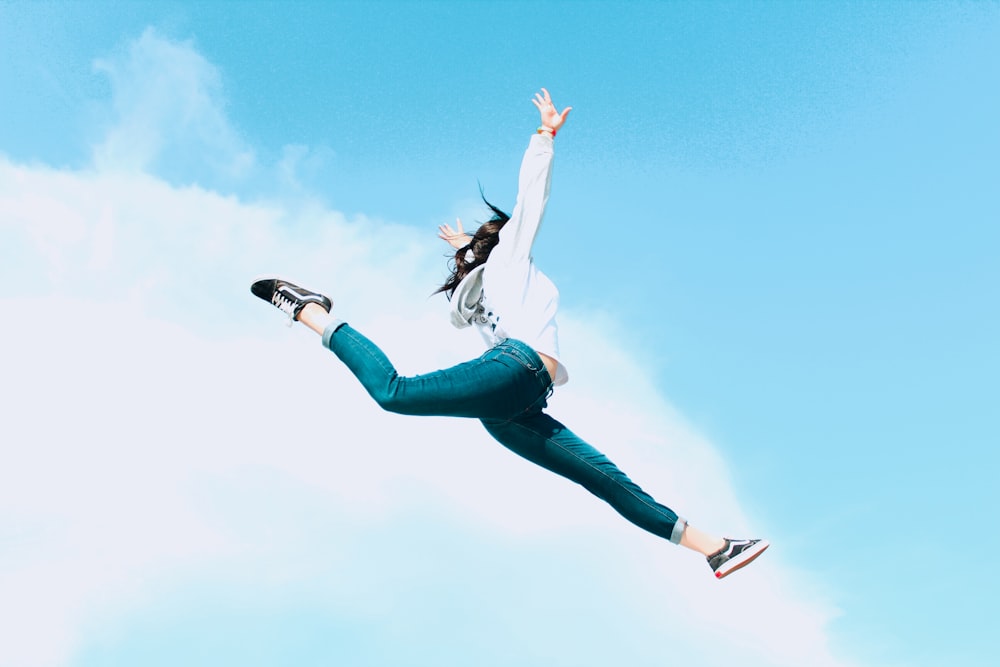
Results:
[482, 244]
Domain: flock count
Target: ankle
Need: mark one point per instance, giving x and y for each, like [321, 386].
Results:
[701, 542]
[315, 317]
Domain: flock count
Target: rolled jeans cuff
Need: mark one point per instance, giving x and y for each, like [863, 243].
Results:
[678, 531]
[328, 332]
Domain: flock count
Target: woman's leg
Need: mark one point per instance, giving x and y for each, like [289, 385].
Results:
[491, 386]
[544, 441]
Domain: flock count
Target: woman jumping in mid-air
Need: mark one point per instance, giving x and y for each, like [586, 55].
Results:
[496, 286]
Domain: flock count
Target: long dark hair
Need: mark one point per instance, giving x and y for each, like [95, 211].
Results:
[482, 243]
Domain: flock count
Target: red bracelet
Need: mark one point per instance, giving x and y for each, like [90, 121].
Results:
[542, 129]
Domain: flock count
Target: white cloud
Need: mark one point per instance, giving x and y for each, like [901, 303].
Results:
[142, 374]
[168, 105]
[162, 427]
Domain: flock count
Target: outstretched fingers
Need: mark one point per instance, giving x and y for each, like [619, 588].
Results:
[551, 118]
[542, 99]
[456, 239]
[446, 230]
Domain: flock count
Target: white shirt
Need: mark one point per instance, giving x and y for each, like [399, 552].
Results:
[509, 297]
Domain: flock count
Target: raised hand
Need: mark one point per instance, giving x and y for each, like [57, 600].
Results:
[456, 239]
[551, 119]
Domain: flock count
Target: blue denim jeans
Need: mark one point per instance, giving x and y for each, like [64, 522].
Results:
[506, 389]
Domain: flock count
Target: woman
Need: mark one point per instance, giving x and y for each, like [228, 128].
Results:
[497, 287]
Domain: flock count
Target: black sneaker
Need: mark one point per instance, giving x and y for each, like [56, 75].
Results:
[288, 297]
[735, 555]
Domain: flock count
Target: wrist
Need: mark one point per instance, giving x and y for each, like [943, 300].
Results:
[545, 129]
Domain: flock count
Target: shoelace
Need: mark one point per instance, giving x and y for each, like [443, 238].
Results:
[285, 305]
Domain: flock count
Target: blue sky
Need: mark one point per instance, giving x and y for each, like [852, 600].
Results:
[775, 230]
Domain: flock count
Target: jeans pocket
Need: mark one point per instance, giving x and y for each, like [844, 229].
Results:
[523, 355]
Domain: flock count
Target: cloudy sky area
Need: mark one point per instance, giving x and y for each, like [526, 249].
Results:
[775, 229]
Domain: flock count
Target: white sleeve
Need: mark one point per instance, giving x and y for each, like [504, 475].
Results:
[518, 235]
